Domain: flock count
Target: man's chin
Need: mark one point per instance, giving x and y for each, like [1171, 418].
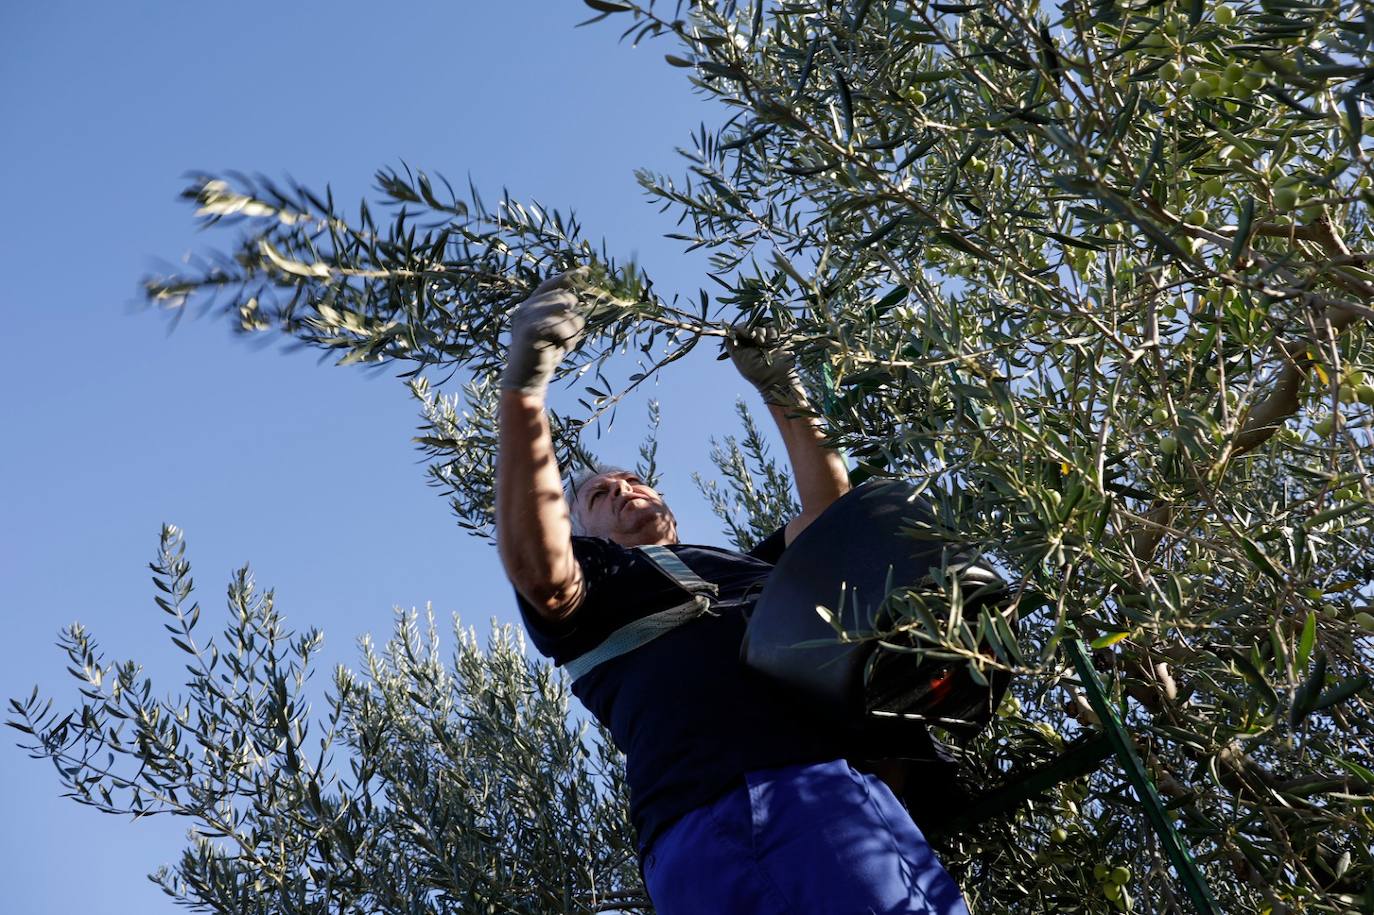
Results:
[647, 524]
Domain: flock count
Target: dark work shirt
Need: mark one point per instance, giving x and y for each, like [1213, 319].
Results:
[689, 717]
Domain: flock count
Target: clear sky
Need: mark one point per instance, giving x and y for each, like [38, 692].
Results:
[113, 426]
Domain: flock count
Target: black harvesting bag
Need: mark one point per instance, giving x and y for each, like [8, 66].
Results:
[849, 559]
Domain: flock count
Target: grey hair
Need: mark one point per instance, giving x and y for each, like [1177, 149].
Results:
[574, 484]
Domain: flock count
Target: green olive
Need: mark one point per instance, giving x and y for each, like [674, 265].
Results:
[1195, 218]
[1223, 14]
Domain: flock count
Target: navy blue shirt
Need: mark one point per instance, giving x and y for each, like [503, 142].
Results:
[689, 717]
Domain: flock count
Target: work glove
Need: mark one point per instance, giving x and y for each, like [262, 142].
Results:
[766, 363]
[543, 329]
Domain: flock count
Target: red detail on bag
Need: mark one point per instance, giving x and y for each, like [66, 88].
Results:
[941, 684]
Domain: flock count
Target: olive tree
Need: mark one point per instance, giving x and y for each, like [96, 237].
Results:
[432, 783]
[1095, 276]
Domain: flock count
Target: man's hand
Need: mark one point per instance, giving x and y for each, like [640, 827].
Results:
[767, 364]
[543, 329]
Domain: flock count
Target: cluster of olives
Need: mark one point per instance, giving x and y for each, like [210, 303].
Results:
[1112, 881]
[1062, 836]
[1354, 387]
[1080, 259]
[1234, 80]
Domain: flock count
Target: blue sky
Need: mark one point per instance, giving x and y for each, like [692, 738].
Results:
[114, 426]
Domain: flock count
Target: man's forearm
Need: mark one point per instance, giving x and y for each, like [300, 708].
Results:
[533, 530]
[764, 360]
[819, 471]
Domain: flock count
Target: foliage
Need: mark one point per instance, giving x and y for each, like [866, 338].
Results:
[759, 497]
[428, 786]
[1095, 274]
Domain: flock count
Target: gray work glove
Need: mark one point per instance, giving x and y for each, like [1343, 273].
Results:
[543, 329]
[766, 363]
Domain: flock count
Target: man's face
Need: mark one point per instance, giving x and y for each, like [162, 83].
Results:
[621, 507]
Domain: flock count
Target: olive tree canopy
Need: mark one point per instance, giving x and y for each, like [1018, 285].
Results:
[1096, 275]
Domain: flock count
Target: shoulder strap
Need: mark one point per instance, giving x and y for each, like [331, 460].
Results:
[669, 564]
[645, 629]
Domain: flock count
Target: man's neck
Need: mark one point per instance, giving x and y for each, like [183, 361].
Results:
[667, 539]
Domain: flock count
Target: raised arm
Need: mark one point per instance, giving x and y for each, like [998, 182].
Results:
[533, 528]
[819, 471]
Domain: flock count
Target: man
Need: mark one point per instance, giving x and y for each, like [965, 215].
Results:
[740, 802]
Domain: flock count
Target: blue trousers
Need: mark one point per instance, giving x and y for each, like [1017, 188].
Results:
[817, 838]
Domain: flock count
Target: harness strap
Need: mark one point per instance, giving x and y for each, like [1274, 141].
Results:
[677, 570]
[638, 633]
[645, 629]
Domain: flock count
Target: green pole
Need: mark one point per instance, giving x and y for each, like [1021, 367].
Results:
[1179, 856]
